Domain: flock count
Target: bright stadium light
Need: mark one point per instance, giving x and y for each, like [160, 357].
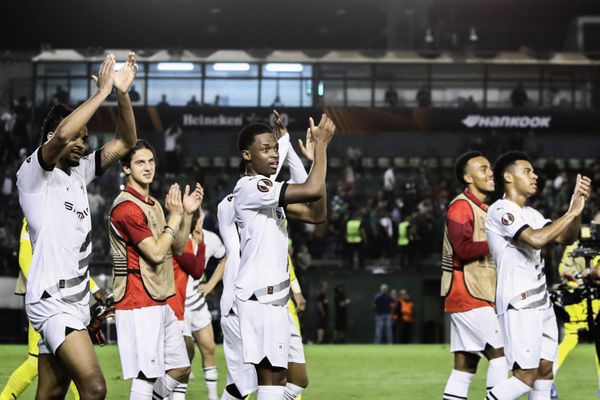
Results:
[175, 66]
[231, 67]
[279, 67]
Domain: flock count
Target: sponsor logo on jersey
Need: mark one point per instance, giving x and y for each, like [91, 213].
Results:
[264, 185]
[80, 214]
[507, 219]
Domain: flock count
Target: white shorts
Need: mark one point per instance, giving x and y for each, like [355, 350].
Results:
[265, 332]
[185, 328]
[243, 375]
[150, 341]
[530, 335]
[296, 354]
[471, 330]
[52, 317]
[198, 319]
[238, 373]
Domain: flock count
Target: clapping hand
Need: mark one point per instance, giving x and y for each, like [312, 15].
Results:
[125, 76]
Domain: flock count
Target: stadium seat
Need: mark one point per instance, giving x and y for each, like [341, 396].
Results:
[415, 162]
[219, 162]
[432, 162]
[541, 162]
[335, 162]
[560, 162]
[203, 162]
[383, 162]
[447, 162]
[400, 162]
[574, 163]
[368, 162]
[234, 162]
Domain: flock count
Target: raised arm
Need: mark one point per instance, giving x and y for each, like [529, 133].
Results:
[313, 190]
[191, 203]
[126, 134]
[70, 127]
[155, 250]
[565, 229]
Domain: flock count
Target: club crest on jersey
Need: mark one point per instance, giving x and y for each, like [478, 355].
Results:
[507, 219]
[264, 185]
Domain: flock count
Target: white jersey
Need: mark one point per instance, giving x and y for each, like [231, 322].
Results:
[194, 300]
[57, 211]
[263, 273]
[231, 240]
[521, 276]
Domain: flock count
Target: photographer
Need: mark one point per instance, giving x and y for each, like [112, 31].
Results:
[573, 271]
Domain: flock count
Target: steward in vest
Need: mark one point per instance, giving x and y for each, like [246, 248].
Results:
[571, 270]
[356, 239]
[469, 280]
[143, 244]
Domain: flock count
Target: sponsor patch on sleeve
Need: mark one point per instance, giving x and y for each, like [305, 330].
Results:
[507, 219]
[264, 185]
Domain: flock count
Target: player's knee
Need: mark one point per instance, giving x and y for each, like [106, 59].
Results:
[180, 374]
[56, 392]
[208, 349]
[94, 389]
[545, 373]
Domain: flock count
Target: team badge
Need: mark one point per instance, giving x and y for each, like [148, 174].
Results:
[264, 185]
[507, 219]
[229, 198]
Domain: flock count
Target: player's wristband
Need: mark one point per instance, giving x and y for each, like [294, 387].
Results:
[295, 286]
[170, 231]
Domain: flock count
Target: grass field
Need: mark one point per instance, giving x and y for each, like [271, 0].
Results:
[352, 372]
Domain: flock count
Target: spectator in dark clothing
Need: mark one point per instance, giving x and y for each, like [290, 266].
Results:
[424, 96]
[341, 314]
[134, 95]
[61, 96]
[391, 96]
[323, 313]
[383, 303]
[519, 97]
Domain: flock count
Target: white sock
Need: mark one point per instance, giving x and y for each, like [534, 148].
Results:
[211, 375]
[457, 386]
[497, 372]
[164, 386]
[510, 389]
[270, 392]
[179, 392]
[141, 390]
[541, 389]
[292, 391]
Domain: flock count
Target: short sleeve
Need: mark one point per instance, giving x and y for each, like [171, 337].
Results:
[130, 222]
[33, 173]
[506, 219]
[220, 249]
[540, 220]
[89, 166]
[260, 192]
